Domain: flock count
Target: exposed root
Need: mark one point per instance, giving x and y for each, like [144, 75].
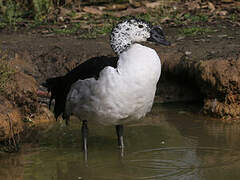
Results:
[12, 144]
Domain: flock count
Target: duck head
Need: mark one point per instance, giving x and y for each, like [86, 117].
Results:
[133, 30]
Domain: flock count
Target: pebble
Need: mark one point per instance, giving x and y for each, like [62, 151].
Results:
[222, 36]
[187, 53]
[180, 38]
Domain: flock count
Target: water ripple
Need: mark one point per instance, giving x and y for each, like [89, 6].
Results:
[171, 163]
[177, 162]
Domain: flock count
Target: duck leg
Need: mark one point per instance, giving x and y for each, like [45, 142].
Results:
[119, 129]
[84, 135]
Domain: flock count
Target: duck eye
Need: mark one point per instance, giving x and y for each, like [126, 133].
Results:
[140, 26]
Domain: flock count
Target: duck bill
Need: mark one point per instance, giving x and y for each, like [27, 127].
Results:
[157, 36]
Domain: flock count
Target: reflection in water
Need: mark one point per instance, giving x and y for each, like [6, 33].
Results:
[173, 142]
[11, 167]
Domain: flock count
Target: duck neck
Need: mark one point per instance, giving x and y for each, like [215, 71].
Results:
[120, 42]
[139, 63]
[120, 47]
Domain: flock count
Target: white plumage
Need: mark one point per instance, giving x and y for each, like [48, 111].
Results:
[119, 95]
[111, 91]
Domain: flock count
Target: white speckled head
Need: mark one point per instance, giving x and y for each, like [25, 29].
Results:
[128, 32]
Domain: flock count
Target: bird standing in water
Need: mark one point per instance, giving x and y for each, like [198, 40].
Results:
[112, 90]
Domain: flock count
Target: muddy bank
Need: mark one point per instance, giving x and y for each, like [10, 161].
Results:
[216, 80]
[19, 105]
[204, 68]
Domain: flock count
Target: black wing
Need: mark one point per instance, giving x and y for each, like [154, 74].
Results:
[60, 86]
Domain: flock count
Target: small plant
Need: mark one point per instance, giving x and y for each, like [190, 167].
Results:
[192, 31]
[68, 30]
[2, 25]
[196, 18]
[146, 17]
[97, 31]
[41, 9]
[11, 13]
[103, 30]
[233, 17]
[93, 32]
[5, 71]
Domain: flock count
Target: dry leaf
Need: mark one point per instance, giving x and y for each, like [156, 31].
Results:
[166, 19]
[211, 6]
[152, 4]
[92, 10]
[117, 7]
[222, 13]
[130, 1]
[180, 38]
[227, 1]
[78, 15]
[188, 53]
[60, 19]
[237, 4]
[222, 35]
[134, 3]
[237, 23]
[129, 11]
[193, 5]
[45, 31]
[64, 11]
[68, 1]
[41, 93]
[101, 8]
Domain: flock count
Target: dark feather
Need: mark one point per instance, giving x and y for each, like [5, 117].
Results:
[60, 86]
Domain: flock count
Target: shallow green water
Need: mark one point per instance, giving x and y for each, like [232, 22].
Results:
[173, 142]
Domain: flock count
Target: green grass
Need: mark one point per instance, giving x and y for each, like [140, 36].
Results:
[41, 9]
[17, 12]
[3, 25]
[145, 16]
[12, 14]
[5, 73]
[97, 32]
[107, 21]
[234, 17]
[196, 18]
[71, 29]
[193, 31]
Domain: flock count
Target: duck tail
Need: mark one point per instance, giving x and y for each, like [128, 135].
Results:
[58, 92]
